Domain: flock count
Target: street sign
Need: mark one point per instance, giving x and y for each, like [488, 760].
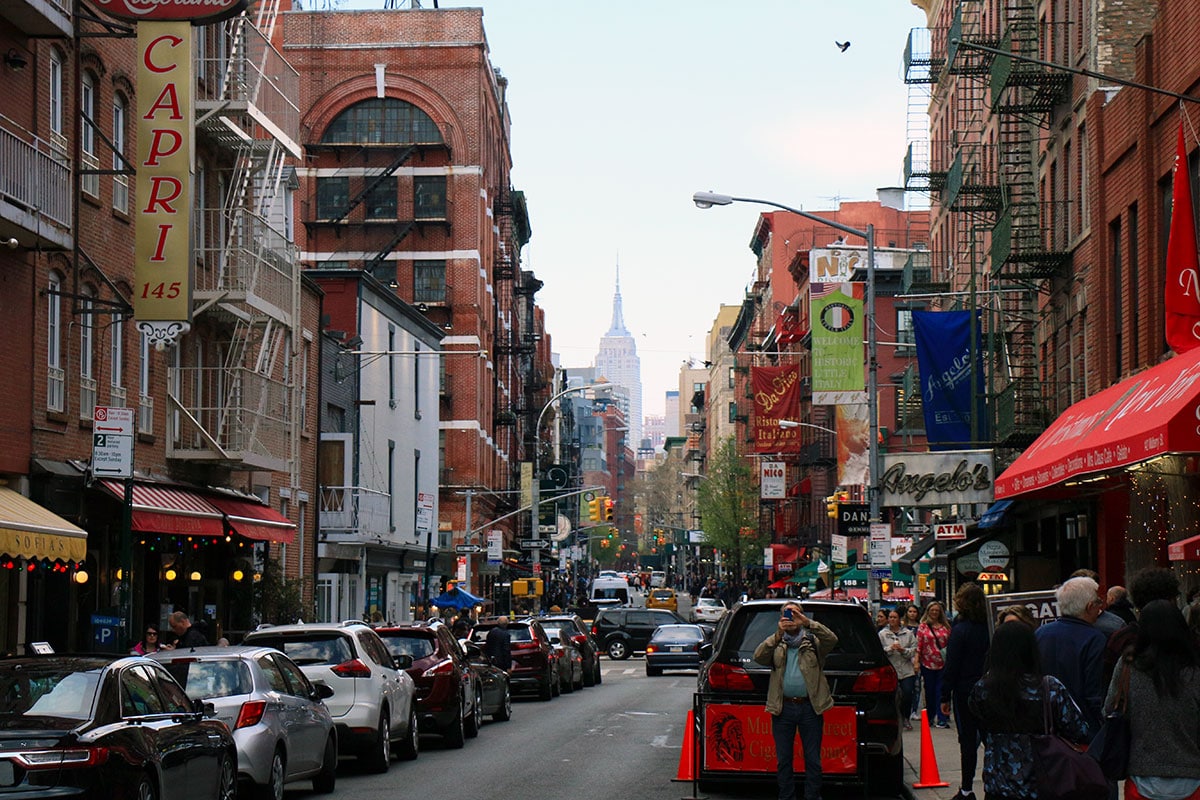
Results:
[112, 442]
[495, 546]
[535, 544]
[950, 531]
[547, 528]
[466, 549]
[881, 574]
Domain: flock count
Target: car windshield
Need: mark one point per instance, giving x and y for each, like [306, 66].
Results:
[516, 632]
[661, 595]
[677, 633]
[207, 679]
[50, 689]
[320, 648]
[708, 601]
[554, 635]
[417, 645]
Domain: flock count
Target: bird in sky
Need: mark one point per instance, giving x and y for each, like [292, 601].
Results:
[842, 45]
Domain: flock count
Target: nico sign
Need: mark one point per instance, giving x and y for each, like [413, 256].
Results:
[940, 478]
[203, 11]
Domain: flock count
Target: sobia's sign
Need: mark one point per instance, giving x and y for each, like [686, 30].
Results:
[937, 479]
[203, 11]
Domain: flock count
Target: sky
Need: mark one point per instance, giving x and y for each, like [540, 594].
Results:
[621, 110]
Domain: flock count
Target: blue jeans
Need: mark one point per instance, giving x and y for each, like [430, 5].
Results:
[799, 718]
[932, 678]
[906, 687]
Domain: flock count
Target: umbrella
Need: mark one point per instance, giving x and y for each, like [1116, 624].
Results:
[456, 598]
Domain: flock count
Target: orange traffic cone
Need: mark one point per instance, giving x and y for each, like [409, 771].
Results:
[687, 754]
[930, 777]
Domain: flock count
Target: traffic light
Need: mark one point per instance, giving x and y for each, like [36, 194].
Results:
[594, 509]
[831, 506]
[608, 509]
[885, 586]
[520, 588]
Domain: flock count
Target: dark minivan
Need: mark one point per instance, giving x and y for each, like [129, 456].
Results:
[858, 671]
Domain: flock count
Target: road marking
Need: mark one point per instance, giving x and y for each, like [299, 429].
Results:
[659, 741]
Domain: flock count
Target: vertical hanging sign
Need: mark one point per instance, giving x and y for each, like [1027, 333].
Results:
[162, 252]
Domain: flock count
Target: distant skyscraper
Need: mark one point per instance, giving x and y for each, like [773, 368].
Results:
[618, 362]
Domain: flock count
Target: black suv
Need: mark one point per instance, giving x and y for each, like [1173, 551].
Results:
[574, 629]
[858, 671]
[622, 631]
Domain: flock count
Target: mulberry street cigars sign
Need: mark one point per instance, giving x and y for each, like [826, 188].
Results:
[200, 11]
[937, 479]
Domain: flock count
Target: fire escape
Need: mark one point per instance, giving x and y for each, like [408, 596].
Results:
[238, 410]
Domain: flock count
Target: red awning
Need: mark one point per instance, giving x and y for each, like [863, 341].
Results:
[166, 509]
[1185, 550]
[254, 520]
[1148, 415]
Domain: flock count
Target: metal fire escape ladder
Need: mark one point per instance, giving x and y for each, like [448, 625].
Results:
[372, 181]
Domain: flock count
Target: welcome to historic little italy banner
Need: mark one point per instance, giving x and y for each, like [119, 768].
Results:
[837, 343]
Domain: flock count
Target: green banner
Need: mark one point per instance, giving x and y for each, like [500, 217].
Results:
[837, 343]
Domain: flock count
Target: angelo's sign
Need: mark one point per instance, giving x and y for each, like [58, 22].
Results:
[738, 738]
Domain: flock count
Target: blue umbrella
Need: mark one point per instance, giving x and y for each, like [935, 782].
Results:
[456, 598]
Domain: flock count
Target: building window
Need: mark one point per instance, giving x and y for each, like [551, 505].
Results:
[56, 383]
[117, 362]
[333, 197]
[87, 356]
[145, 401]
[121, 182]
[305, 354]
[416, 379]
[381, 199]
[732, 411]
[382, 120]
[429, 281]
[57, 135]
[1118, 290]
[905, 335]
[391, 362]
[89, 181]
[391, 484]
[429, 196]
[732, 377]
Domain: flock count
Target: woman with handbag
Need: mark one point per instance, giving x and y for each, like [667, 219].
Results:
[900, 645]
[933, 634]
[1016, 705]
[1160, 682]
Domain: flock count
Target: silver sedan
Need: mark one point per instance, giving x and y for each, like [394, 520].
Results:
[282, 729]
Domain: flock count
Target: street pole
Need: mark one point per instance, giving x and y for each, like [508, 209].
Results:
[466, 539]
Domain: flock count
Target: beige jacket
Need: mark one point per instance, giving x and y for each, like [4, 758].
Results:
[773, 653]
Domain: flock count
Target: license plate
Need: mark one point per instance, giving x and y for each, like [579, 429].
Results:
[676, 649]
[7, 778]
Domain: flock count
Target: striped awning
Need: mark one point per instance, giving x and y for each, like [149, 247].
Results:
[29, 531]
[170, 510]
[254, 520]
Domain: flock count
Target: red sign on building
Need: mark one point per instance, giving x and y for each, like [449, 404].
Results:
[207, 11]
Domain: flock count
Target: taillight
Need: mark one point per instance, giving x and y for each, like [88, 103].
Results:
[352, 669]
[525, 646]
[578, 638]
[595, 630]
[251, 714]
[879, 679]
[441, 668]
[728, 678]
[651, 649]
[74, 757]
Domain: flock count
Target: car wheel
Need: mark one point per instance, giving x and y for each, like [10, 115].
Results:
[885, 775]
[591, 671]
[145, 790]
[599, 677]
[379, 754]
[273, 788]
[618, 650]
[410, 746]
[555, 684]
[475, 721]
[567, 686]
[546, 688]
[325, 780]
[653, 671]
[454, 736]
[504, 712]
[579, 684]
[228, 771]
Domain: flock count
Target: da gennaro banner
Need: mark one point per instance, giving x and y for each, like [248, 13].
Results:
[776, 396]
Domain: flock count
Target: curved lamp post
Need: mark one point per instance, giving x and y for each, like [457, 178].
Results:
[710, 199]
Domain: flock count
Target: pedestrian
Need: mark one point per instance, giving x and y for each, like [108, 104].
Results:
[1146, 586]
[497, 646]
[966, 656]
[1072, 649]
[186, 634]
[1016, 613]
[900, 645]
[912, 621]
[881, 617]
[1119, 603]
[1163, 706]
[149, 642]
[461, 627]
[1009, 700]
[1106, 622]
[933, 635]
[798, 695]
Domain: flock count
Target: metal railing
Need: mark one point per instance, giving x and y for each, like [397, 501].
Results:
[244, 256]
[355, 511]
[33, 174]
[240, 416]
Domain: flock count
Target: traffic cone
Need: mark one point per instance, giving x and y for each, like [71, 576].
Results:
[930, 777]
[687, 766]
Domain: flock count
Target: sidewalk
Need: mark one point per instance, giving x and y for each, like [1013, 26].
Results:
[945, 747]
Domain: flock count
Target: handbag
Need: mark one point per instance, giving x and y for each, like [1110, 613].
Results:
[1110, 747]
[1061, 771]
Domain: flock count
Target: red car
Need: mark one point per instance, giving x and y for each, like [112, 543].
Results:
[448, 694]
[533, 666]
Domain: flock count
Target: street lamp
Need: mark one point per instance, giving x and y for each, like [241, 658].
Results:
[792, 423]
[710, 199]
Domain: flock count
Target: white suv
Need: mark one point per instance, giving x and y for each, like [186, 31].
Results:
[372, 703]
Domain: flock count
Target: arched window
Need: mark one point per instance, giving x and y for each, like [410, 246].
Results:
[87, 354]
[120, 117]
[89, 181]
[55, 377]
[382, 120]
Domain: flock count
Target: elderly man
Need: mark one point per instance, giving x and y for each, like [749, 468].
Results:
[1072, 649]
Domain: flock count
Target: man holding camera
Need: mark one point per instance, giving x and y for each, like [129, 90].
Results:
[798, 695]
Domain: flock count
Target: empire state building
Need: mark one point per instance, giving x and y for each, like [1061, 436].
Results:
[618, 362]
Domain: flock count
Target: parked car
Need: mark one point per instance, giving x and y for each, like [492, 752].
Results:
[497, 695]
[448, 691]
[621, 632]
[373, 702]
[570, 662]
[580, 635]
[533, 668]
[858, 671]
[662, 598]
[709, 609]
[674, 647]
[104, 727]
[281, 727]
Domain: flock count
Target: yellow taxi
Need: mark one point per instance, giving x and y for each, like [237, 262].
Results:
[662, 598]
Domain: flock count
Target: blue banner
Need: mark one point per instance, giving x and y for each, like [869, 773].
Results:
[948, 398]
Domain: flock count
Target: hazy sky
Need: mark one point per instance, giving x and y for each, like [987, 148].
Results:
[621, 110]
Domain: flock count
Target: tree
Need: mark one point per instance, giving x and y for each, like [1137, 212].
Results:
[728, 503]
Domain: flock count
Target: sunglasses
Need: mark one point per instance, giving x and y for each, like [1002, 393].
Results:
[152, 633]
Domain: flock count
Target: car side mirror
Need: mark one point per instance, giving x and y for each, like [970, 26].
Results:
[403, 661]
[705, 649]
[202, 708]
[322, 690]
[472, 650]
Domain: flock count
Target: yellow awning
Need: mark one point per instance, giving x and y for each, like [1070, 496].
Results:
[29, 531]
